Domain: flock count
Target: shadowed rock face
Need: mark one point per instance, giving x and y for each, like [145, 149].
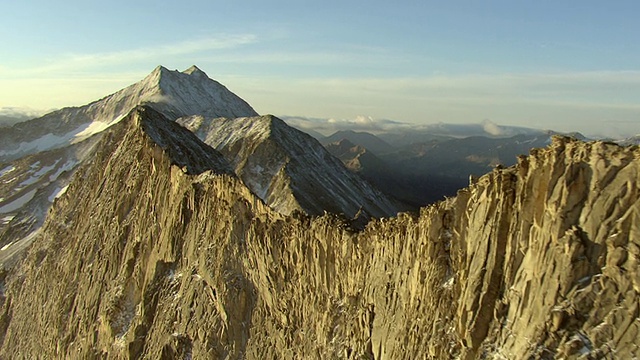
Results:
[143, 258]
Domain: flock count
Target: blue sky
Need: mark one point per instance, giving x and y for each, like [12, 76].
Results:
[565, 65]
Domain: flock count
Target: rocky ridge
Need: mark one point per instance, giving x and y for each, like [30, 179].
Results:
[539, 260]
[356, 158]
[38, 157]
[288, 169]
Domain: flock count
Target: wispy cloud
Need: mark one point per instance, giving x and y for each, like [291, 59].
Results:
[359, 123]
[602, 89]
[181, 48]
[75, 62]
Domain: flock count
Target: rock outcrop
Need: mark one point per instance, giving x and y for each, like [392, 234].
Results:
[154, 252]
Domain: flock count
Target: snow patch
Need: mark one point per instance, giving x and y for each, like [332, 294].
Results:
[57, 193]
[9, 169]
[38, 174]
[43, 143]
[19, 202]
[448, 284]
[51, 141]
[7, 219]
[70, 164]
[9, 181]
[94, 128]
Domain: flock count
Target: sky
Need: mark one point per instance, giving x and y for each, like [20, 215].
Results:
[561, 65]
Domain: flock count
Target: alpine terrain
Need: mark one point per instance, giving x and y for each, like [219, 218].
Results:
[38, 157]
[423, 166]
[289, 169]
[161, 247]
[293, 172]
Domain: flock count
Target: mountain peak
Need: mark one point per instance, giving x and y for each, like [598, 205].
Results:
[181, 146]
[155, 76]
[194, 70]
[160, 69]
[176, 94]
[340, 147]
[288, 169]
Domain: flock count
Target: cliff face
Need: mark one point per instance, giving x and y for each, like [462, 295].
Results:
[142, 258]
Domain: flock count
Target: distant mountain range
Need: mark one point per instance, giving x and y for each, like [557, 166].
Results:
[424, 165]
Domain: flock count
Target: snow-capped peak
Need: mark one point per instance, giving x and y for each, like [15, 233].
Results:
[171, 92]
[194, 70]
[192, 92]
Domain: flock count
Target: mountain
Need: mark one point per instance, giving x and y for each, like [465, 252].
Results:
[430, 162]
[357, 158]
[172, 93]
[363, 162]
[633, 140]
[462, 157]
[38, 157]
[289, 169]
[154, 252]
[426, 171]
[367, 140]
[286, 168]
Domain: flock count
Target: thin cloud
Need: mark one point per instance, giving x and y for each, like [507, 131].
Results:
[571, 101]
[380, 126]
[604, 89]
[491, 83]
[182, 48]
[17, 111]
[78, 62]
[359, 123]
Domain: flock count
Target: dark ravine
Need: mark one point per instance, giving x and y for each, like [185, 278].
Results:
[149, 256]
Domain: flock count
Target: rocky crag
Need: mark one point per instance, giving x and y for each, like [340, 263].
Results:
[157, 251]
